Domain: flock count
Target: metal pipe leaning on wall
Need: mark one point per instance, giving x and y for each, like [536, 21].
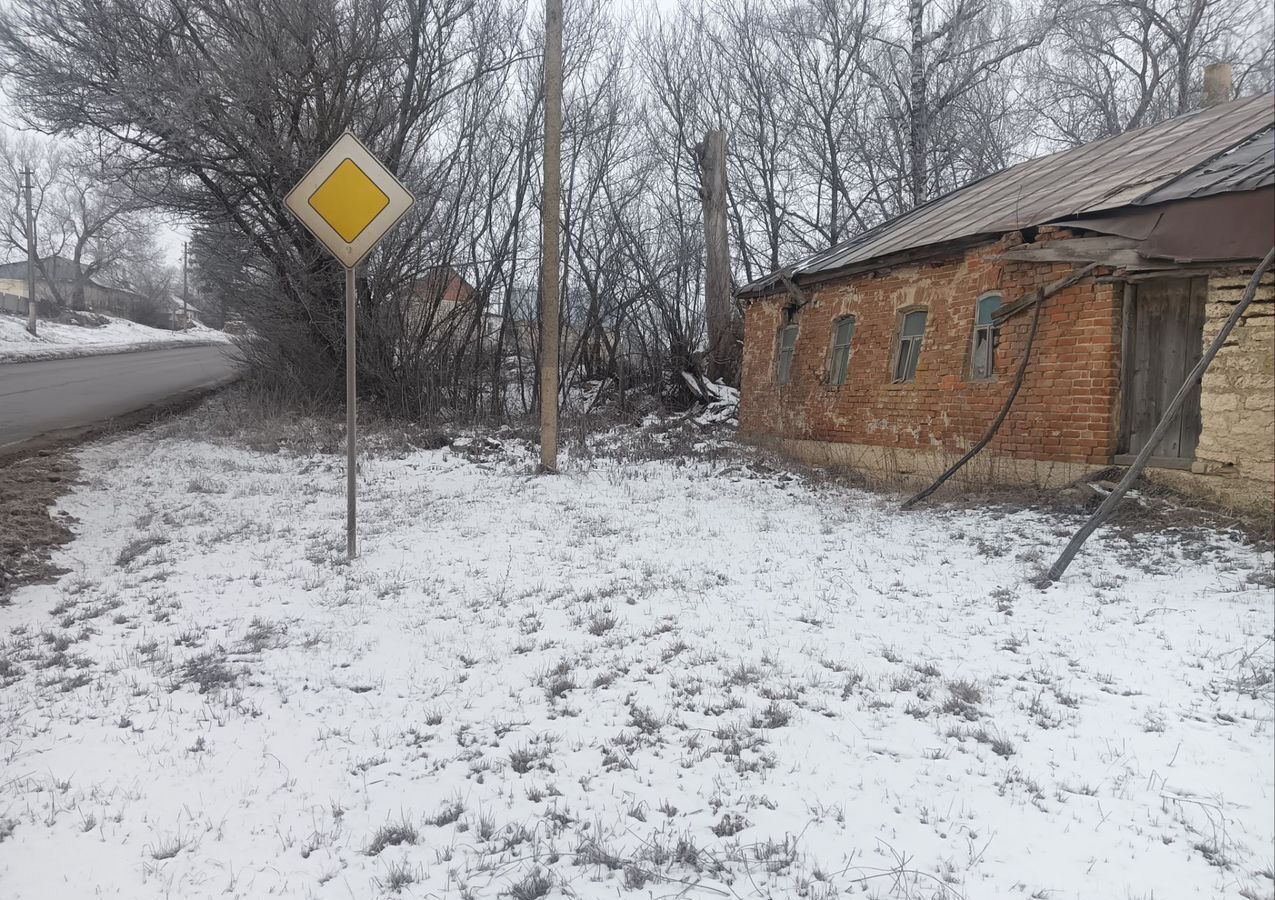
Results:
[1140, 461]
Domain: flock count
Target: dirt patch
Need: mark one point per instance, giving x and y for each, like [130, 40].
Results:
[35, 473]
[29, 530]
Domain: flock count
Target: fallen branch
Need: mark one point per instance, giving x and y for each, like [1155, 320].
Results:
[1140, 461]
[1037, 301]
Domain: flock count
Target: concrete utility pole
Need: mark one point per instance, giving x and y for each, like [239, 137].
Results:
[31, 301]
[549, 224]
[712, 178]
[185, 257]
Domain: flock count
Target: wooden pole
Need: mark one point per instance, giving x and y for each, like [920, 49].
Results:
[31, 301]
[351, 418]
[712, 173]
[549, 235]
[1170, 414]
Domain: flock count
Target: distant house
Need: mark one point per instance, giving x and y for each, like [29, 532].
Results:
[893, 351]
[439, 294]
[174, 314]
[62, 281]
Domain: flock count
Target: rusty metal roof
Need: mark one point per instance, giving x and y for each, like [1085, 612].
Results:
[1246, 167]
[1186, 154]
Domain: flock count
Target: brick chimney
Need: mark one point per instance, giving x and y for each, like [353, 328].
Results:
[1217, 84]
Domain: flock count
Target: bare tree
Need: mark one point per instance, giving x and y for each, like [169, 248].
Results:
[89, 222]
[1113, 65]
[930, 65]
[296, 73]
[823, 46]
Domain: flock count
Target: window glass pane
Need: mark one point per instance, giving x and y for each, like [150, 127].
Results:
[845, 331]
[783, 364]
[788, 337]
[914, 324]
[981, 364]
[986, 307]
[840, 364]
[905, 367]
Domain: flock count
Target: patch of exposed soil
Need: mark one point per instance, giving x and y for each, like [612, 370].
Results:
[29, 529]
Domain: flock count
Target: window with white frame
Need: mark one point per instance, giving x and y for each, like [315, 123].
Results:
[983, 350]
[787, 347]
[911, 334]
[839, 363]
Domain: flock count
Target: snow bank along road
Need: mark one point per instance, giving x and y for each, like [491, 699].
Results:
[690, 677]
[39, 397]
[62, 340]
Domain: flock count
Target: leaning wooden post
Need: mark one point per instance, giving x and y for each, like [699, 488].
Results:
[30, 229]
[549, 236]
[712, 174]
[1140, 461]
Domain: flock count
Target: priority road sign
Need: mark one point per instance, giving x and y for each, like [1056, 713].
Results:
[349, 201]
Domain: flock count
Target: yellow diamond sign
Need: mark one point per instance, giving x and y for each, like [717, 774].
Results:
[349, 200]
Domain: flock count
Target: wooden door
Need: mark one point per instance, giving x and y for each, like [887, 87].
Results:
[1163, 337]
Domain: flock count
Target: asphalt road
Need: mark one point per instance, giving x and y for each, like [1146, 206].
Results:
[50, 395]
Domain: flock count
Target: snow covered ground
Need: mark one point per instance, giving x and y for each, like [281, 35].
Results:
[697, 677]
[54, 340]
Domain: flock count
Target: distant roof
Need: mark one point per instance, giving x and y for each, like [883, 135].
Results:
[1228, 147]
[62, 269]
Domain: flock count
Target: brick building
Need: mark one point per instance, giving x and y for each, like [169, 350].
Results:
[893, 352]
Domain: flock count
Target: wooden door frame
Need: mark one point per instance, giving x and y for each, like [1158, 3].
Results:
[1128, 327]
[1126, 370]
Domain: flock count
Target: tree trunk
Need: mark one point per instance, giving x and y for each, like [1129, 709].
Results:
[917, 124]
[722, 362]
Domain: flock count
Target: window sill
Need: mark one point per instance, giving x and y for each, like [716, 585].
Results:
[900, 385]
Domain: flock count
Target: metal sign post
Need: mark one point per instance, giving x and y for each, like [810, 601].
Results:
[351, 418]
[349, 200]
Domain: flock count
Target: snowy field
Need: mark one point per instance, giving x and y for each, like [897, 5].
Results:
[701, 678]
[54, 340]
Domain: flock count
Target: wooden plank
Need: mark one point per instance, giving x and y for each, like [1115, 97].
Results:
[1191, 416]
[1153, 337]
[1138, 382]
[1106, 249]
[1128, 322]
[1173, 362]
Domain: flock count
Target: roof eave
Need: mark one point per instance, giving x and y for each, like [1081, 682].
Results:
[755, 291]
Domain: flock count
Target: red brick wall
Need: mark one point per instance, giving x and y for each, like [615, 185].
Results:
[1067, 410]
